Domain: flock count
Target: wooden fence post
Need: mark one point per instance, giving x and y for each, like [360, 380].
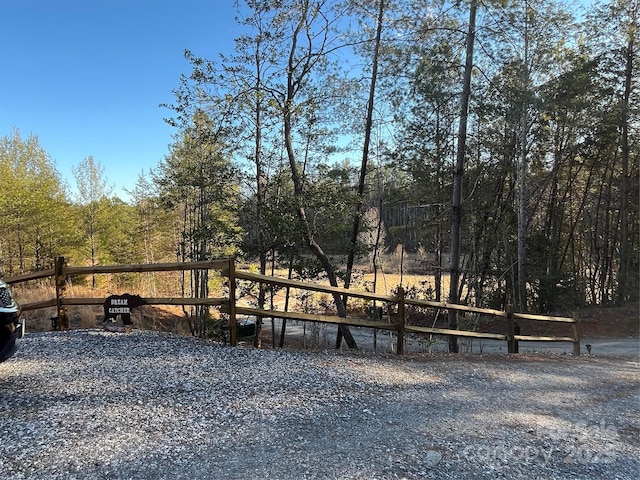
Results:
[61, 285]
[511, 330]
[576, 334]
[401, 322]
[233, 326]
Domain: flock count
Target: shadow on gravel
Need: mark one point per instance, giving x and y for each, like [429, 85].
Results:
[92, 405]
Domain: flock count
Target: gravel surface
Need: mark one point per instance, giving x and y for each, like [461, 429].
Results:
[88, 404]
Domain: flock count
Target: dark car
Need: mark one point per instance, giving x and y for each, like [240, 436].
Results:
[11, 325]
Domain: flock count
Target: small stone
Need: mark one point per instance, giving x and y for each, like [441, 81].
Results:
[432, 458]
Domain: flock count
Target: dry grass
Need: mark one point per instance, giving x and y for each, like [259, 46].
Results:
[387, 282]
[596, 321]
[162, 318]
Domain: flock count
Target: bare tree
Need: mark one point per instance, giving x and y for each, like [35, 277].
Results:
[365, 149]
[309, 44]
[92, 187]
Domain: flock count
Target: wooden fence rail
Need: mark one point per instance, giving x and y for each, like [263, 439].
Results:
[230, 306]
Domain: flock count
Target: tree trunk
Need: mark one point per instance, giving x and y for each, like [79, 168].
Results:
[297, 178]
[623, 275]
[521, 178]
[365, 156]
[260, 192]
[456, 204]
[365, 149]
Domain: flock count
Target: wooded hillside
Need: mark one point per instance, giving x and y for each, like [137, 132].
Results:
[330, 138]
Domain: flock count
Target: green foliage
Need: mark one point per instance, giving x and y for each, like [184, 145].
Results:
[236, 181]
[33, 204]
[199, 184]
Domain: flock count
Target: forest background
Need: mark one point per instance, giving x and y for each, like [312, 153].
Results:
[490, 147]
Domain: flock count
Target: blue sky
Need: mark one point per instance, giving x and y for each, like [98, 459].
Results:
[87, 76]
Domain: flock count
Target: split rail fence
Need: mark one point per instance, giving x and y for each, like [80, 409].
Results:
[230, 306]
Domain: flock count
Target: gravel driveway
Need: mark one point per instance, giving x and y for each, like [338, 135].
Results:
[88, 404]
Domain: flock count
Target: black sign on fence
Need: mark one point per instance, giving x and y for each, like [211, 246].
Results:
[121, 305]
